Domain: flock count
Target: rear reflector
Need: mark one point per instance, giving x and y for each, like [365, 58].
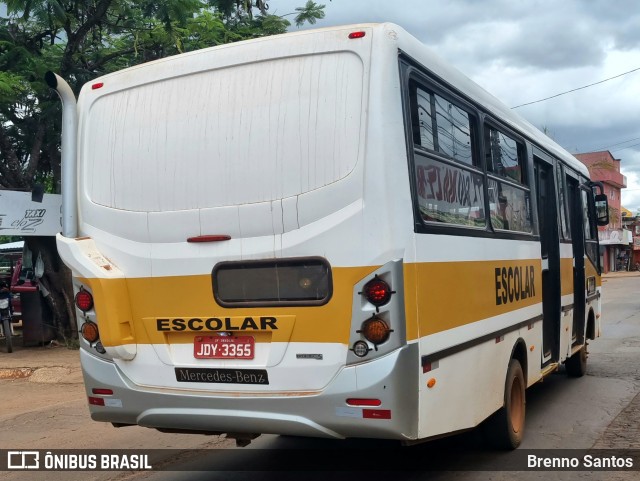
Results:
[104, 392]
[353, 35]
[96, 401]
[376, 413]
[97, 85]
[363, 402]
[209, 238]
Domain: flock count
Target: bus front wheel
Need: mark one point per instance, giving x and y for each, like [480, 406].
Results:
[506, 427]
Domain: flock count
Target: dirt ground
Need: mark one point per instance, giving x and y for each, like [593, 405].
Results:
[42, 393]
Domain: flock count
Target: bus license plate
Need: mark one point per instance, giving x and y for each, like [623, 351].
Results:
[219, 347]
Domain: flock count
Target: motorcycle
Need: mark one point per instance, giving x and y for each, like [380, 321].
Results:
[5, 314]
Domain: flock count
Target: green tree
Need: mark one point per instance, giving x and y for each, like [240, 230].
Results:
[81, 40]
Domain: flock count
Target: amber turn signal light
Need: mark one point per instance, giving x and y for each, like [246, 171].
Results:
[375, 330]
[89, 331]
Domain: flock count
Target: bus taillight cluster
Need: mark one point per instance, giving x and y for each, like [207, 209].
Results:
[375, 329]
[89, 329]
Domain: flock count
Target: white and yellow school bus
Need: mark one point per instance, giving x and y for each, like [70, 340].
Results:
[328, 233]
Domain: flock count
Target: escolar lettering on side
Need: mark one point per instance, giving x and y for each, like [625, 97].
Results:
[218, 324]
[514, 284]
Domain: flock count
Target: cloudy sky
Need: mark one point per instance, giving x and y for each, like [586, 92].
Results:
[526, 50]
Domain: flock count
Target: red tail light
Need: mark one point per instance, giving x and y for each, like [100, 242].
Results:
[377, 292]
[84, 300]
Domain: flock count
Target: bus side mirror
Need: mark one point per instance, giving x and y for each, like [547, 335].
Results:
[602, 209]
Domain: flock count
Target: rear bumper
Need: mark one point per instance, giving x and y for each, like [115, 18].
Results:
[392, 379]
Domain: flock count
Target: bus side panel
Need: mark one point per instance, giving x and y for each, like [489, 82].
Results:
[476, 298]
[461, 390]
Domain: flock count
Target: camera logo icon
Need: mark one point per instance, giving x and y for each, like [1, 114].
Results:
[23, 460]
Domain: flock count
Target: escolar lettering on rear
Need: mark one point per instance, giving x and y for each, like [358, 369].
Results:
[218, 324]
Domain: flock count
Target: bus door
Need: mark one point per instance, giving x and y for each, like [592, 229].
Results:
[550, 252]
[577, 240]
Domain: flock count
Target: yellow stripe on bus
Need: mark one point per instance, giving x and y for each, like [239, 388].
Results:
[450, 295]
[128, 310]
[438, 296]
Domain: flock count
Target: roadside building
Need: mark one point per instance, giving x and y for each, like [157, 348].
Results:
[631, 222]
[615, 240]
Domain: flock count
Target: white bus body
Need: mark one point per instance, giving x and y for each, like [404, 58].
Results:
[201, 174]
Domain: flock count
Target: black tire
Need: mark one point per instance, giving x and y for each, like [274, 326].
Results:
[505, 428]
[577, 364]
[6, 328]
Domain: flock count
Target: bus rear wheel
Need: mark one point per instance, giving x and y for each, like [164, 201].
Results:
[577, 364]
[506, 427]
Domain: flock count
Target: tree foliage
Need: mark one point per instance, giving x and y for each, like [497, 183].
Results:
[81, 40]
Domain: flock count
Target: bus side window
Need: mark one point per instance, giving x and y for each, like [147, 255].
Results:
[505, 156]
[442, 126]
[563, 203]
[509, 197]
[449, 185]
[423, 122]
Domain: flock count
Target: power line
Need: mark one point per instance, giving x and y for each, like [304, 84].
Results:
[624, 148]
[599, 149]
[579, 88]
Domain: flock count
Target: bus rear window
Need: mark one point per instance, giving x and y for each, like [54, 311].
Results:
[248, 133]
[278, 282]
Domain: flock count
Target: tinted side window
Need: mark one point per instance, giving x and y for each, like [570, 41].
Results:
[448, 193]
[510, 207]
[505, 156]
[425, 137]
[442, 126]
[509, 196]
[563, 204]
[450, 188]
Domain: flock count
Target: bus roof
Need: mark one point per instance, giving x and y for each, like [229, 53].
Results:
[415, 49]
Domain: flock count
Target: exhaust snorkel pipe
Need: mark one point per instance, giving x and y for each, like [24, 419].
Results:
[69, 144]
